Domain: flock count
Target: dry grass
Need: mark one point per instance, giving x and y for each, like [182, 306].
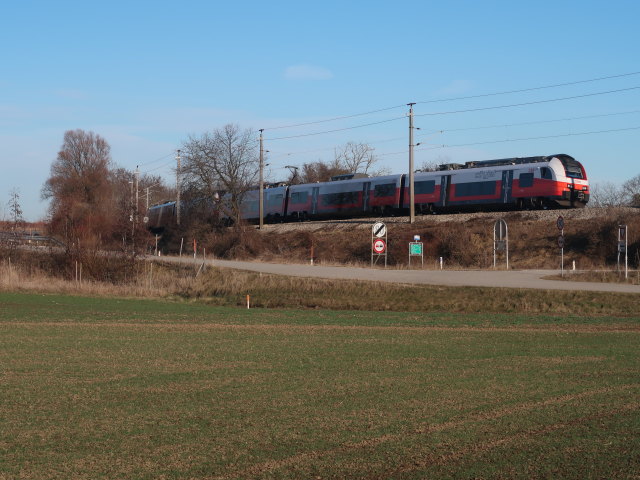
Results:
[600, 276]
[151, 281]
[229, 287]
[464, 241]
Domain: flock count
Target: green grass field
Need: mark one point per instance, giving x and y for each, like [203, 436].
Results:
[96, 388]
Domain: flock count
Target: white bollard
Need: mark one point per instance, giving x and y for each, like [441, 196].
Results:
[440, 263]
[574, 264]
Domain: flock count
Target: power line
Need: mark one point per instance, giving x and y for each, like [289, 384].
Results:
[159, 167]
[507, 92]
[532, 89]
[156, 160]
[280, 155]
[536, 122]
[536, 138]
[438, 147]
[335, 118]
[337, 129]
[495, 107]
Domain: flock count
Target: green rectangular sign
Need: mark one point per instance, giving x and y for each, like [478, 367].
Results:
[415, 249]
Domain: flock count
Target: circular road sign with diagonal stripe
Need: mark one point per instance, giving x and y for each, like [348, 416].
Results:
[379, 230]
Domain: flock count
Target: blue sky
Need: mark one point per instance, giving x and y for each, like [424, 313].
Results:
[146, 75]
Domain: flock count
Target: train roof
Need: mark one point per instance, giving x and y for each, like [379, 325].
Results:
[504, 161]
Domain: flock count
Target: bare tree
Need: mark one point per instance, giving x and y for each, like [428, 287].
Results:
[224, 160]
[321, 171]
[355, 157]
[428, 166]
[631, 191]
[434, 165]
[606, 194]
[79, 186]
[15, 210]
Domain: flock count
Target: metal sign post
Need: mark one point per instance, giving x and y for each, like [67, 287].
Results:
[416, 250]
[622, 248]
[560, 225]
[500, 240]
[378, 243]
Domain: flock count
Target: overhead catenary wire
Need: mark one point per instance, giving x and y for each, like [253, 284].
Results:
[506, 92]
[495, 107]
[522, 90]
[336, 130]
[438, 147]
[342, 117]
[535, 122]
[156, 160]
[158, 167]
[595, 132]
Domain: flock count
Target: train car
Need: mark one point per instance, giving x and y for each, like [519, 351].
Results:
[529, 182]
[274, 199]
[348, 197]
[555, 181]
[160, 216]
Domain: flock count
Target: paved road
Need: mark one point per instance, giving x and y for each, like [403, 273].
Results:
[472, 278]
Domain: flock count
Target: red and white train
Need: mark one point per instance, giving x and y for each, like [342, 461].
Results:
[555, 181]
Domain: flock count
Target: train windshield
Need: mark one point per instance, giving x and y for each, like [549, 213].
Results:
[571, 166]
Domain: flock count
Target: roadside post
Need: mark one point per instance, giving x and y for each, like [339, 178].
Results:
[500, 240]
[622, 248]
[560, 225]
[378, 243]
[416, 250]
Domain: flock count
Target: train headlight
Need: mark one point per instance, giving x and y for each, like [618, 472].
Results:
[569, 185]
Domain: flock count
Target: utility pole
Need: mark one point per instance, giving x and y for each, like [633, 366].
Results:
[261, 198]
[131, 208]
[412, 207]
[137, 192]
[178, 188]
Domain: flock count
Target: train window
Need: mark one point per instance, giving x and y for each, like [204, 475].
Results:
[425, 187]
[342, 198]
[546, 173]
[275, 200]
[299, 197]
[250, 206]
[386, 190]
[526, 180]
[571, 167]
[475, 188]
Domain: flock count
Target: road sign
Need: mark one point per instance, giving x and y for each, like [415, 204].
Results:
[378, 243]
[379, 246]
[500, 240]
[622, 235]
[500, 230]
[622, 248]
[561, 241]
[415, 248]
[560, 223]
[379, 230]
[145, 219]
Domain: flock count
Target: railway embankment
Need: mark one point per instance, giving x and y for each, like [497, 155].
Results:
[462, 240]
